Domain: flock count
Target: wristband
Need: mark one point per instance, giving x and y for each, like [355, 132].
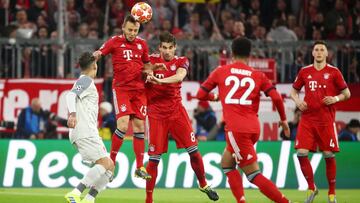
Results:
[337, 98]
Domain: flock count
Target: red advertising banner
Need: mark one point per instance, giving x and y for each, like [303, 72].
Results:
[16, 94]
[267, 66]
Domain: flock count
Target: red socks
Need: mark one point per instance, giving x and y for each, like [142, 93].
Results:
[307, 171]
[268, 188]
[151, 168]
[139, 148]
[117, 140]
[198, 167]
[331, 174]
[236, 185]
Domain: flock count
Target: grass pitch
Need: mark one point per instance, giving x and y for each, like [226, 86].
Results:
[41, 195]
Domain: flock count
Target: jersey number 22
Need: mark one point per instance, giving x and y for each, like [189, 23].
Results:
[239, 83]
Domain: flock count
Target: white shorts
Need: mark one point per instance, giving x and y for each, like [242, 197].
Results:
[91, 149]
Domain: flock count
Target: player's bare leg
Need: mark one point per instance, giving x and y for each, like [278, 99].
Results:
[307, 171]
[330, 174]
[118, 136]
[228, 165]
[139, 148]
[266, 187]
[198, 168]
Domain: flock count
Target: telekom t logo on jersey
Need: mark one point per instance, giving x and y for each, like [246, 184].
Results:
[128, 54]
[312, 85]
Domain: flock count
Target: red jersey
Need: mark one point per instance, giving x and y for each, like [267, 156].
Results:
[318, 84]
[164, 100]
[128, 60]
[239, 92]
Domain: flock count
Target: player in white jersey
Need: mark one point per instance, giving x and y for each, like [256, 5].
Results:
[82, 102]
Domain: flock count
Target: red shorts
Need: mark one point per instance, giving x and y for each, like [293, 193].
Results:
[311, 136]
[179, 126]
[241, 145]
[129, 102]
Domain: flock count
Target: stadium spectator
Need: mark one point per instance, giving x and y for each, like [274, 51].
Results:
[22, 21]
[205, 120]
[281, 33]
[108, 119]
[149, 32]
[30, 124]
[193, 29]
[238, 29]
[351, 131]
[293, 125]
[316, 24]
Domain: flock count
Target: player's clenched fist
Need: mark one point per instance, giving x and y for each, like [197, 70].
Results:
[302, 105]
[284, 124]
[72, 120]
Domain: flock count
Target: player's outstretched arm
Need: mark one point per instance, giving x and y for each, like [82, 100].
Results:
[279, 104]
[97, 54]
[178, 77]
[204, 94]
[294, 94]
[344, 95]
[71, 104]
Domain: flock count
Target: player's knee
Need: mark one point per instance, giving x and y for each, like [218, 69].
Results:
[192, 150]
[251, 176]
[328, 155]
[300, 153]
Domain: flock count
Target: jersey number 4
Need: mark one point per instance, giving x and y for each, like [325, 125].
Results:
[236, 84]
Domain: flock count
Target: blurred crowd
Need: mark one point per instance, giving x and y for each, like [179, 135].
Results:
[287, 20]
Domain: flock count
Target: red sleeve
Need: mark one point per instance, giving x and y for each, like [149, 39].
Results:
[278, 102]
[299, 81]
[266, 84]
[145, 56]
[184, 63]
[107, 47]
[206, 87]
[339, 81]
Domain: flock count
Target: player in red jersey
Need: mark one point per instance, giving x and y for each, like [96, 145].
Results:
[166, 114]
[324, 86]
[239, 92]
[130, 56]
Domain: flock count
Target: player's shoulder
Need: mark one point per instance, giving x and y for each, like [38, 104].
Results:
[332, 68]
[116, 37]
[85, 80]
[307, 68]
[140, 39]
[154, 57]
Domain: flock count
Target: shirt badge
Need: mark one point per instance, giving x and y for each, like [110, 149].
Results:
[173, 67]
[326, 76]
[139, 46]
[123, 107]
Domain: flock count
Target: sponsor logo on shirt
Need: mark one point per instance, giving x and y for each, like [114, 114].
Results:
[78, 87]
[312, 85]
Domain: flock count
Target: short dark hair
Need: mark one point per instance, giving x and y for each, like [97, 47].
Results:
[241, 47]
[131, 19]
[319, 42]
[85, 60]
[167, 37]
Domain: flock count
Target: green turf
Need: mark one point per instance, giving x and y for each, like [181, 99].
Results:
[40, 195]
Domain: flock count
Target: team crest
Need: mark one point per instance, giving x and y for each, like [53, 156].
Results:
[326, 76]
[173, 67]
[123, 107]
[78, 87]
[151, 147]
[139, 46]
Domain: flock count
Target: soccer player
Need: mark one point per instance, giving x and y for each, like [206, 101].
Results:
[166, 114]
[82, 102]
[324, 86]
[129, 58]
[239, 92]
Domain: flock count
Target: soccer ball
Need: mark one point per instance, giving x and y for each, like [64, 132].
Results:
[142, 12]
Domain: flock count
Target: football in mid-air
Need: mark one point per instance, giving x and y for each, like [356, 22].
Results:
[142, 12]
